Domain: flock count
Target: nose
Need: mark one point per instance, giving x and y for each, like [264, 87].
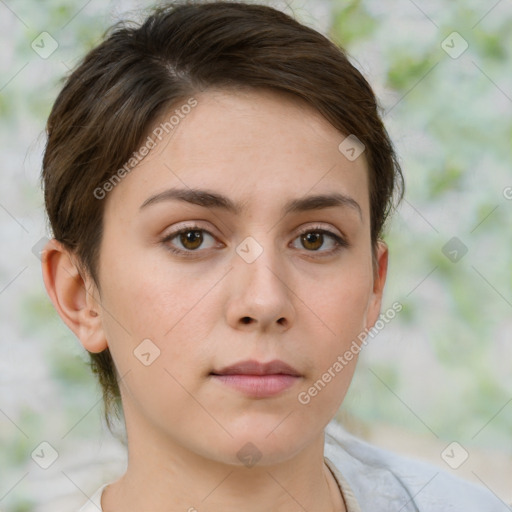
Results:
[260, 297]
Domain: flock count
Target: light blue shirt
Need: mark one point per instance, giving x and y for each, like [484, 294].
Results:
[385, 482]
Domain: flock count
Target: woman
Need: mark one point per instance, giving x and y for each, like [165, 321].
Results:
[217, 181]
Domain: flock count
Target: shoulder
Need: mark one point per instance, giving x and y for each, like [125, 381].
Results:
[380, 478]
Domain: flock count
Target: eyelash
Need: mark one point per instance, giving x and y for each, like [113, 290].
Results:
[340, 243]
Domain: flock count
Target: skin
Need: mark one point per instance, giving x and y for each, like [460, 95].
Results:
[208, 309]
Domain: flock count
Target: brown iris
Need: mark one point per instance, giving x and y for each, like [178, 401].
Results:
[191, 239]
[314, 240]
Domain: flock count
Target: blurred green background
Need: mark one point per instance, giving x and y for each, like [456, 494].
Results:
[439, 372]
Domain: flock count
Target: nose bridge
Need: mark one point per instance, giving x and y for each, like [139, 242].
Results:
[261, 261]
[261, 290]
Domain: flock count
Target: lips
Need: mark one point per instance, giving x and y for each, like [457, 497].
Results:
[258, 380]
[252, 367]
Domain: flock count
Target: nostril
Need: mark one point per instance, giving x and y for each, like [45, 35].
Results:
[246, 320]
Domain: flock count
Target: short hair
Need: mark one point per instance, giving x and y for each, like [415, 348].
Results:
[111, 100]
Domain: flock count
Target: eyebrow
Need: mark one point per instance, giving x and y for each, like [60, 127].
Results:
[211, 199]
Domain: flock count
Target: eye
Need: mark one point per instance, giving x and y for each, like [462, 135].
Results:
[313, 239]
[191, 238]
[188, 240]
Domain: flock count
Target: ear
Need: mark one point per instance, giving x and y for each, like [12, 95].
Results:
[76, 299]
[379, 280]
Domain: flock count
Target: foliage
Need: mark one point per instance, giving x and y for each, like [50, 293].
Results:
[450, 119]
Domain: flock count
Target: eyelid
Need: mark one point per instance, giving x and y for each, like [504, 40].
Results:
[319, 227]
[191, 226]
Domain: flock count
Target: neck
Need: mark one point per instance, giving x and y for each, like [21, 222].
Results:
[165, 477]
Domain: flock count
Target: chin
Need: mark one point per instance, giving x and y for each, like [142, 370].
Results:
[264, 446]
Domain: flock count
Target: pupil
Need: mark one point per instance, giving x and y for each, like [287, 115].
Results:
[315, 239]
[192, 238]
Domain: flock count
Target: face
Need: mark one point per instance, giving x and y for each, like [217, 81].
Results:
[249, 268]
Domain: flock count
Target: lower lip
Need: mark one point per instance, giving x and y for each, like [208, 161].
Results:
[259, 386]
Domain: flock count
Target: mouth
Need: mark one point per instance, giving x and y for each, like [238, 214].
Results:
[256, 379]
[252, 367]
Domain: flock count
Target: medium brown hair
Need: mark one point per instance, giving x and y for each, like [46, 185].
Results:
[110, 102]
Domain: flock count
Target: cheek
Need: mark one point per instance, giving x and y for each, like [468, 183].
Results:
[341, 304]
[154, 328]
[322, 396]
[341, 301]
[159, 303]
[148, 296]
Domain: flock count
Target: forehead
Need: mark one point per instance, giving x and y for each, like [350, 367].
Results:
[255, 146]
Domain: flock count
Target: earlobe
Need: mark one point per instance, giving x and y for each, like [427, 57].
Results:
[75, 299]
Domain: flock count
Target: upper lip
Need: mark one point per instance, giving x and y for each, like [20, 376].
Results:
[252, 367]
